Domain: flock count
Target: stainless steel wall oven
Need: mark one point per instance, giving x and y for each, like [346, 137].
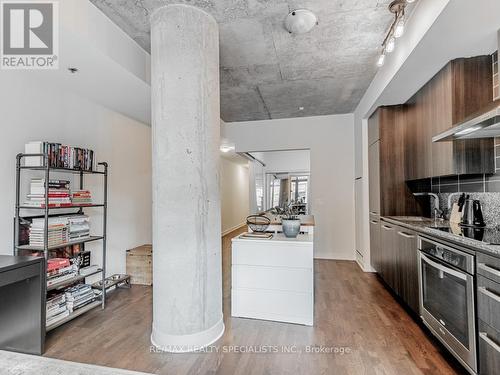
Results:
[446, 284]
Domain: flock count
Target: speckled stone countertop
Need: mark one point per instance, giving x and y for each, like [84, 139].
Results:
[429, 227]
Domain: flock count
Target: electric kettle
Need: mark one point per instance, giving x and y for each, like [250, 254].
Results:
[472, 213]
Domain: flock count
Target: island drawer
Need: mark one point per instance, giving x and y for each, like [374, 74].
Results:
[488, 301]
[273, 278]
[272, 253]
[271, 305]
[488, 266]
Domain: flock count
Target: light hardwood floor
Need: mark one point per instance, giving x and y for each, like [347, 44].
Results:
[353, 312]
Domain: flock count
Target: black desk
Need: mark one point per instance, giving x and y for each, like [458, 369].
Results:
[22, 304]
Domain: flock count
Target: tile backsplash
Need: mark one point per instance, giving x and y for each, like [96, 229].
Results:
[497, 154]
[496, 77]
[485, 188]
[490, 204]
[481, 183]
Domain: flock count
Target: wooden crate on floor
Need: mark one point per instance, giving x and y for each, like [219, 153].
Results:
[140, 265]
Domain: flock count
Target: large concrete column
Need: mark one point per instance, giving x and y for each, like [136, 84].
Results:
[187, 267]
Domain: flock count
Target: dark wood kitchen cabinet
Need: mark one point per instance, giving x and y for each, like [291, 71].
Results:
[488, 313]
[407, 267]
[374, 178]
[459, 90]
[375, 243]
[399, 263]
[388, 269]
[389, 193]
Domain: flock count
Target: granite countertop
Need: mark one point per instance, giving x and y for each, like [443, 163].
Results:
[429, 227]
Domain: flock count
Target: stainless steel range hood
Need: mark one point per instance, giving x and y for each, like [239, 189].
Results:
[485, 124]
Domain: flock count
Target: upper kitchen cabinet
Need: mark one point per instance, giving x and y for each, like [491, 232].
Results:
[373, 129]
[389, 194]
[460, 89]
[374, 164]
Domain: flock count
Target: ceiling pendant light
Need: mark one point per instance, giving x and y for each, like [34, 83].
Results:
[400, 28]
[391, 44]
[381, 59]
[300, 21]
[226, 148]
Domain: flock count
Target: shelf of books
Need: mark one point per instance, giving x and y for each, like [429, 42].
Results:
[60, 236]
[55, 247]
[71, 315]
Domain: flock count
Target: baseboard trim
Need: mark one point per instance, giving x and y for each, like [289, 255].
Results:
[364, 268]
[227, 231]
[187, 343]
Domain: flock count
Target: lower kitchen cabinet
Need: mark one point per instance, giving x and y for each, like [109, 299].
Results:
[488, 311]
[375, 250]
[388, 251]
[407, 266]
[399, 263]
[489, 349]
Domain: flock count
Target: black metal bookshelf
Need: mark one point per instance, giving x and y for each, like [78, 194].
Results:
[23, 212]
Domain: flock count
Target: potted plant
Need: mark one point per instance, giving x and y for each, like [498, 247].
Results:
[290, 221]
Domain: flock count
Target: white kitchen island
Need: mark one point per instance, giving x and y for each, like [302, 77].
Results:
[273, 279]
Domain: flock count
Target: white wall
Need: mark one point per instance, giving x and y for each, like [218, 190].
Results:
[31, 111]
[234, 194]
[285, 161]
[330, 140]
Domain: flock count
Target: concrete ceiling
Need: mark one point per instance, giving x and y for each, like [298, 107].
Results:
[267, 73]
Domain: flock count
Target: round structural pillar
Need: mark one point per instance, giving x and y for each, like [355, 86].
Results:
[187, 265]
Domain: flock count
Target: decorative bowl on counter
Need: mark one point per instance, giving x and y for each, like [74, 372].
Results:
[258, 223]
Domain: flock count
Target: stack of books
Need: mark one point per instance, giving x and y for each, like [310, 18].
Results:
[59, 193]
[79, 227]
[81, 197]
[56, 308]
[59, 156]
[57, 231]
[59, 270]
[79, 296]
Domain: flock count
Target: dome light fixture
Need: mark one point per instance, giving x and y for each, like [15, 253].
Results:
[300, 21]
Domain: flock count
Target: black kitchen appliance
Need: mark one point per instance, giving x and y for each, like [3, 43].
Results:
[472, 213]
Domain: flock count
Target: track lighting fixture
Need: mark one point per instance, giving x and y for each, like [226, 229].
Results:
[397, 29]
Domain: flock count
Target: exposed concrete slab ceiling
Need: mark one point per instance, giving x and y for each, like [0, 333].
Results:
[267, 73]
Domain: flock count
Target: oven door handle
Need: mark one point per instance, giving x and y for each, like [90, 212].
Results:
[443, 268]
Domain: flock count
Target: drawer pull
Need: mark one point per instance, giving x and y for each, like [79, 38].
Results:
[487, 293]
[373, 221]
[406, 235]
[488, 269]
[490, 342]
[387, 228]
